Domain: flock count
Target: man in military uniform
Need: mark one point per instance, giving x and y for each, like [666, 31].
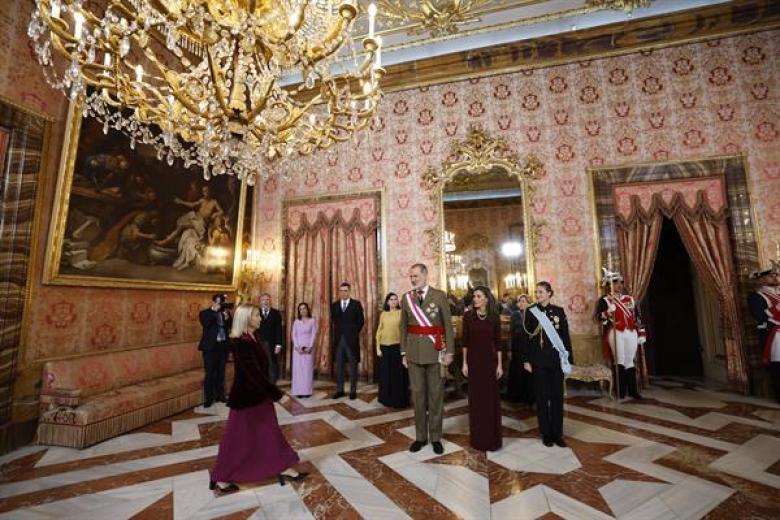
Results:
[623, 331]
[427, 342]
[764, 305]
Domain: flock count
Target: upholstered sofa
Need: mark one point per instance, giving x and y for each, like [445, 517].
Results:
[89, 399]
[590, 366]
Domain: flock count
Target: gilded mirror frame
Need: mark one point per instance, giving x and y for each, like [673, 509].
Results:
[478, 155]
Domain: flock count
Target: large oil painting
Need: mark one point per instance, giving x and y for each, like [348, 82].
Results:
[125, 218]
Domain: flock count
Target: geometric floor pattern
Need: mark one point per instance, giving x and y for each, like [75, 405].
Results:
[683, 452]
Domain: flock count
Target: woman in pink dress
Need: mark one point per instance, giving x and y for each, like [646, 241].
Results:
[253, 447]
[304, 332]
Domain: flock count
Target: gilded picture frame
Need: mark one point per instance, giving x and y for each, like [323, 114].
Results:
[124, 218]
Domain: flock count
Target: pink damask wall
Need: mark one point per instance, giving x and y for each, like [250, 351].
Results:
[67, 321]
[690, 101]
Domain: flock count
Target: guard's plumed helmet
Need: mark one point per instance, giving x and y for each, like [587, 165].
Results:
[610, 276]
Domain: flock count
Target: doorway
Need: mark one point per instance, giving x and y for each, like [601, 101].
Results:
[670, 311]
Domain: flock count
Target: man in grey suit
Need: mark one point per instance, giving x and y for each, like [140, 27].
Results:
[427, 342]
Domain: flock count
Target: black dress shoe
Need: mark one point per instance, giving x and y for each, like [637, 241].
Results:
[287, 478]
[222, 399]
[207, 404]
[547, 442]
[226, 490]
[438, 449]
[560, 442]
[417, 446]
[338, 395]
[352, 396]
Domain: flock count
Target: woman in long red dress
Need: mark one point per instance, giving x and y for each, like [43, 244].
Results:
[253, 447]
[482, 366]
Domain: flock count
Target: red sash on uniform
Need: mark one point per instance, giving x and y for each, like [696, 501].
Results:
[773, 312]
[426, 328]
[436, 331]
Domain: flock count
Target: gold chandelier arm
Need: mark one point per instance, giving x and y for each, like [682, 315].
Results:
[263, 102]
[215, 81]
[330, 44]
[280, 39]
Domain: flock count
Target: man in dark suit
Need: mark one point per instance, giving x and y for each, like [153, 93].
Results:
[215, 321]
[346, 316]
[270, 334]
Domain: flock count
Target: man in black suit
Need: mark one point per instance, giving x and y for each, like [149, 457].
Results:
[215, 321]
[346, 316]
[270, 334]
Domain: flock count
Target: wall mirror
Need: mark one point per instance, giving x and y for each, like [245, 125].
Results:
[485, 234]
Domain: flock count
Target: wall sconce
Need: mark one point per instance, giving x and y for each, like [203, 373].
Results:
[251, 274]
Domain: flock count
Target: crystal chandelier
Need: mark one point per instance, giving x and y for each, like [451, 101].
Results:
[200, 80]
[449, 242]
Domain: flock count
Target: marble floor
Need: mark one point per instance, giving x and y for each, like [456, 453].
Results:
[683, 452]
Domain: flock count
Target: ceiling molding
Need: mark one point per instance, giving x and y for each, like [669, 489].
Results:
[633, 35]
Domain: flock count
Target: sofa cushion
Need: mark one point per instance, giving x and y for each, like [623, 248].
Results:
[590, 373]
[122, 400]
[100, 373]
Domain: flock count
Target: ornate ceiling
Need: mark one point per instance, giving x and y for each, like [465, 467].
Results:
[414, 30]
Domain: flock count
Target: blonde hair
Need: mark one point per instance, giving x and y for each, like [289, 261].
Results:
[241, 319]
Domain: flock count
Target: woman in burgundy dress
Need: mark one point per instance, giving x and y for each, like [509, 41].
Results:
[253, 447]
[482, 365]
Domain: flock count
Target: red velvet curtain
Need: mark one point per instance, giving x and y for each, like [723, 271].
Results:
[706, 238]
[638, 245]
[705, 234]
[321, 253]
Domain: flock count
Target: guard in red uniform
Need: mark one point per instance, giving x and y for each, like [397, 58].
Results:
[623, 331]
[764, 305]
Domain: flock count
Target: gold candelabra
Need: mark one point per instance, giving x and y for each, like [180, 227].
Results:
[201, 80]
[253, 274]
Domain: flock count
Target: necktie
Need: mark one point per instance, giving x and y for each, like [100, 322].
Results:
[265, 313]
[343, 306]
[420, 294]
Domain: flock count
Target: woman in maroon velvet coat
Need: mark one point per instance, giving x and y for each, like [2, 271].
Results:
[482, 365]
[253, 447]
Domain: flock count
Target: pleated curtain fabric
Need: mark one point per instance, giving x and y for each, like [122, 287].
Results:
[705, 235]
[325, 249]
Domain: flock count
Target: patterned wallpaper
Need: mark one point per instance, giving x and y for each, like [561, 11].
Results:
[704, 99]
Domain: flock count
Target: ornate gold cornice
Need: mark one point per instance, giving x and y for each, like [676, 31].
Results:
[479, 154]
[625, 5]
[431, 16]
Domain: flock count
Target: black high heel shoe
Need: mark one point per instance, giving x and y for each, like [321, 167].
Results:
[283, 479]
[230, 488]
